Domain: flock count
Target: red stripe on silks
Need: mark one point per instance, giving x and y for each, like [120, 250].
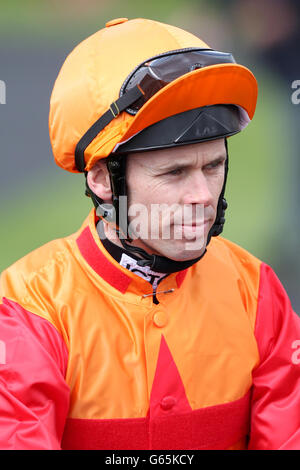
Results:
[212, 428]
[180, 277]
[167, 394]
[106, 434]
[96, 259]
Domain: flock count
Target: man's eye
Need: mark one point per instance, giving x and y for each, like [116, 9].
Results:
[175, 172]
[215, 165]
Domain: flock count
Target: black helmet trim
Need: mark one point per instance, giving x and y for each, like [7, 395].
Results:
[196, 125]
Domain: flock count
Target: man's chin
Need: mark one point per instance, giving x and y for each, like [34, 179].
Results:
[186, 255]
[187, 249]
[183, 251]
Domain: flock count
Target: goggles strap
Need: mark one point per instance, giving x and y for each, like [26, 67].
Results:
[114, 110]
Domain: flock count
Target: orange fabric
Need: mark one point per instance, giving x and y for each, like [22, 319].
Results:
[210, 366]
[93, 73]
[113, 339]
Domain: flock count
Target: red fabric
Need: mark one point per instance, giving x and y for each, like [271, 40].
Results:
[167, 394]
[275, 420]
[180, 277]
[106, 434]
[34, 397]
[214, 427]
[95, 258]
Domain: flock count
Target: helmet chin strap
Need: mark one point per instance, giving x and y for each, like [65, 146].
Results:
[160, 264]
[117, 170]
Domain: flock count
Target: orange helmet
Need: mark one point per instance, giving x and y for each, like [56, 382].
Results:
[102, 96]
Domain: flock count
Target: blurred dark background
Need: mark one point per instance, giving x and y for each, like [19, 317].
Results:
[40, 202]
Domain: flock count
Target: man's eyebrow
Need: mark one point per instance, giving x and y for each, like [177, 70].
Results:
[183, 164]
[172, 164]
[217, 159]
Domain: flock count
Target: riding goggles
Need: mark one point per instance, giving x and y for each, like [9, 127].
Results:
[159, 71]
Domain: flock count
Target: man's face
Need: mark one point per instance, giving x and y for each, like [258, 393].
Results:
[173, 196]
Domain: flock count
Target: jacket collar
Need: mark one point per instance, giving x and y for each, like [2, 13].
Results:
[120, 278]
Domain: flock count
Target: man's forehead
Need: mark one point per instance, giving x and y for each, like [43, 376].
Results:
[201, 152]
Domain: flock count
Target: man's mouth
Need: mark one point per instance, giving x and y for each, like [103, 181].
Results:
[201, 223]
[192, 230]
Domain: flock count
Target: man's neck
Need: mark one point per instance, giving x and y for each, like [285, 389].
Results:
[158, 263]
[126, 259]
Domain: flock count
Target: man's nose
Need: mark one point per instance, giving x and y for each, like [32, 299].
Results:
[197, 190]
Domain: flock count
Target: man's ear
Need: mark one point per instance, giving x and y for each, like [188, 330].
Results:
[99, 181]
